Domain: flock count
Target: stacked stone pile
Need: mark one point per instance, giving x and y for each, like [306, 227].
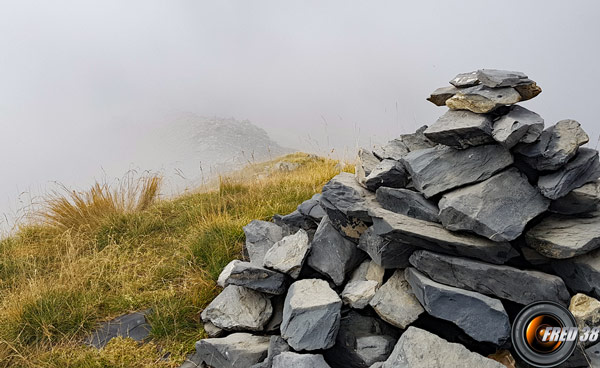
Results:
[424, 257]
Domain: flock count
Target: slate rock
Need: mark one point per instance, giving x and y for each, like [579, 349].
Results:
[441, 95]
[368, 271]
[131, 325]
[295, 360]
[434, 237]
[461, 129]
[562, 237]
[288, 254]
[407, 202]
[224, 275]
[418, 348]
[519, 125]
[555, 147]
[238, 350]
[505, 358]
[277, 345]
[385, 252]
[495, 78]
[212, 330]
[333, 255]
[583, 169]
[440, 169]
[312, 209]
[465, 80]
[293, 222]
[581, 274]
[366, 161]
[260, 236]
[358, 294]
[395, 302]
[277, 302]
[482, 99]
[583, 200]
[388, 173]
[490, 209]
[257, 278]
[520, 286]
[238, 308]
[397, 148]
[311, 315]
[481, 317]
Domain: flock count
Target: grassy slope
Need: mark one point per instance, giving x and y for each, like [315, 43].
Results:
[57, 283]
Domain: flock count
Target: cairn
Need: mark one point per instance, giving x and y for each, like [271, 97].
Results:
[424, 256]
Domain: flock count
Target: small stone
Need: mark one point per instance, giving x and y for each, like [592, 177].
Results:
[238, 350]
[440, 169]
[277, 345]
[386, 253]
[212, 330]
[358, 294]
[395, 302]
[505, 358]
[260, 236]
[312, 209]
[311, 315]
[257, 278]
[488, 209]
[368, 271]
[397, 148]
[479, 316]
[586, 310]
[495, 78]
[294, 360]
[222, 280]
[581, 274]
[584, 168]
[528, 90]
[519, 125]
[238, 308]
[465, 80]
[293, 222]
[441, 95]
[481, 99]
[461, 129]
[407, 202]
[365, 163]
[580, 201]
[288, 254]
[388, 173]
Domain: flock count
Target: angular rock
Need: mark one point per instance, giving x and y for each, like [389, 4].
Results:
[528, 90]
[482, 99]
[288, 254]
[479, 316]
[238, 308]
[421, 349]
[519, 125]
[520, 286]
[505, 358]
[407, 202]
[333, 255]
[293, 222]
[395, 302]
[294, 360]
[434, 237]
[584, 168]
[212, 330]
[222, 280]
[581, 274]
[461, 129]
[388, 173]
[586, 310]
[465, 80]
[260, 236]
[274, 323]
[277, 345]
[397, 148]
[311, 315]
[555, 146]
[365, 163]
[312, 209]
[358, 294]
[440, 169]
[238, 350]
[562, 237]
[368, 271]
[257, 278]
[495, 78]
[490, 210]
[582, 200]
[384, 252]
[441, 95]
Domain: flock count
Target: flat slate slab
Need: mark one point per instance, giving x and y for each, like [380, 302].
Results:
[584, 168]
[496, 78]
[132, 325]
[239, 309]
[389, 254]
[257, 278]
[388, 173]
[581, 274]
[441, 95]
[583, 200]
[519, 125]
[238, 350]
[407, 202]
[481, 99]
[366, 161]
[461, 129]
[395, 302]
[397, 148]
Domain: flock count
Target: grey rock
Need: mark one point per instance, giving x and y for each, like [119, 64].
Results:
[333, 255]
[434, 237]
[495, 78]
[582, 200]
[388, 173]
[490, 210]
[520, 286]
[397, 148]
[277, 345]
[257, 278]
[311, 315]
[274, 323]
[260, 236]
[238, 350]
[593, 355]
[584, 168]
[461, 129]
[222, 280]
[562, 237]
[358, 294]
[407, 202]
[238, 308]
[395, 302]
[288, 254]
[366, 161]
[441, 95]
[519, 125]
[482, 99]
[421, 349]
[465, 80]
[295, 360]
[368, 271]
[479, 316]
[132, 325]
[440, 169]
[581, 274]
[293, 222]
[555, 147]
[312, 209]
[384, 252]
[212, 330]
[417, 140]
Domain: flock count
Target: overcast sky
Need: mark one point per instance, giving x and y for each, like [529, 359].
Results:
[82, 82]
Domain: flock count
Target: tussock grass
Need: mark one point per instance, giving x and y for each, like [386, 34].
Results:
[98, 254]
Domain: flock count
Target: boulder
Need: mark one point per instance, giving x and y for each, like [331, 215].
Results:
[440, 169]
[461, 129]
[504, 282]
[495, 78]
[519, 125]
[288, 254]
[388, 173]
[481, 317]
[295, 360]
[397, 148]
[407, 202]
[441, 95]
[465, 80]
[260, 236]
[238, 308]
[257, 278]
[224, 275]
[582, 200]
[238, 350]
[481, 99]
[490, 210]
[311, 315]
[368, 271]
[366, 161]
[584, 168]
[395, 302]
[333, 255]
[358, 294]
[312, 209]
[384, 252]
[434, 237]
[581, 274]
[277, 345]
[421, 349]
[561, 237]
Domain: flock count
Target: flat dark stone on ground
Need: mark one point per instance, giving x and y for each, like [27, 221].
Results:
[131, 325]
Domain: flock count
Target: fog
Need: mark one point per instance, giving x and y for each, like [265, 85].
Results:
[83, 84]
